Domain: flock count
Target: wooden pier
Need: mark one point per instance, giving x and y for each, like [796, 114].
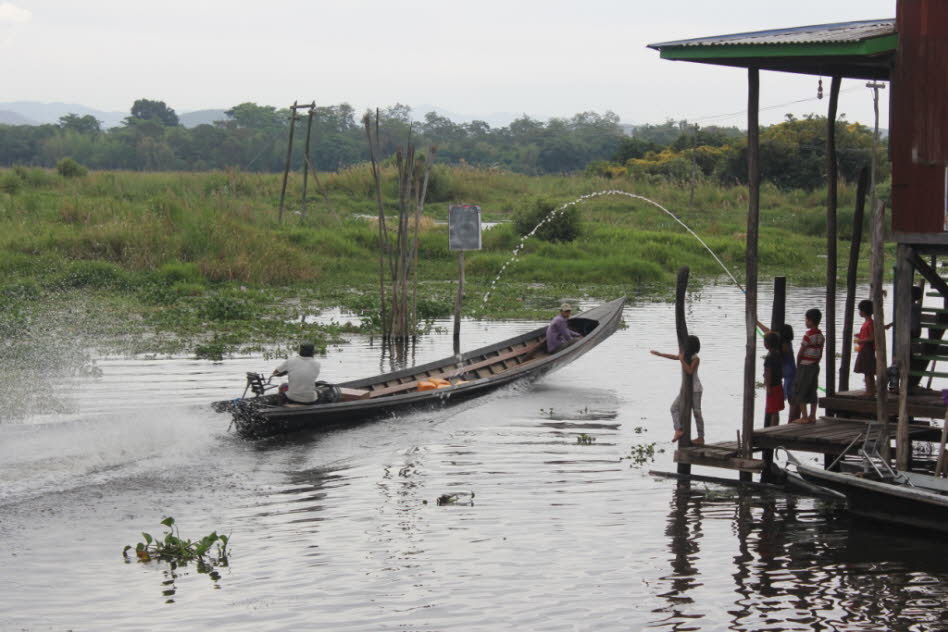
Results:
[849, 414]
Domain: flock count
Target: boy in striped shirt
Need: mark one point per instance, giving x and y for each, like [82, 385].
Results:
[808, 367]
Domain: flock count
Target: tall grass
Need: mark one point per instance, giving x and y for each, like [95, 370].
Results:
[225, 224]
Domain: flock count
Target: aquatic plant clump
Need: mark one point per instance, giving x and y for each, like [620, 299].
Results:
[208, 553]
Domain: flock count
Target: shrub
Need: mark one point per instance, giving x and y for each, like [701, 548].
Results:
[69, 168]
[177, 272]
[563, 226]
[94, 274]
[10, 183]
[224, 307]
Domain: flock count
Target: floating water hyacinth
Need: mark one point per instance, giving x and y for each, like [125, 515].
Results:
[523, 240]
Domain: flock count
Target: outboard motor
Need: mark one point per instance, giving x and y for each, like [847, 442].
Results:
[327, 393]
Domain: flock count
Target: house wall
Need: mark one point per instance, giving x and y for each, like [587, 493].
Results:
[919, 118]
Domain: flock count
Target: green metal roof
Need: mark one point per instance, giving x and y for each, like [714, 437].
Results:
[863, 49]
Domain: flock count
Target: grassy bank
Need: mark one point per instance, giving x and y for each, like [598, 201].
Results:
[200, 262]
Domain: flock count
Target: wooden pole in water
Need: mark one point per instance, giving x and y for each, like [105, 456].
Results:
[777, 320]
[687, 381]
[750, 296]
[289, 155]
[878, 316]
[854, 246]
[831, 197]
[903, 349]
[457, 301]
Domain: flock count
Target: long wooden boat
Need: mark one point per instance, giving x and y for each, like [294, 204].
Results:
[471, 374]
[908, 499]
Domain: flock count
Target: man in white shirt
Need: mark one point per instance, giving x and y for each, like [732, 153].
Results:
[301, 372]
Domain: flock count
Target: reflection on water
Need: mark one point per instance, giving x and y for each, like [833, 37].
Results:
[800, 564]
[341, 530]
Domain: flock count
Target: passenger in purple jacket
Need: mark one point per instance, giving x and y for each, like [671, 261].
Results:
[558, 333]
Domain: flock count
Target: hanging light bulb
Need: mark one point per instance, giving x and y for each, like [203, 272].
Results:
[819, 89]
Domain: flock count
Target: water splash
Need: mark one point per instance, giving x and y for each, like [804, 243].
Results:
[589, 196]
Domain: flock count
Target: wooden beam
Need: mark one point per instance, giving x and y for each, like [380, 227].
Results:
[687, 457]
[289, 155]
[832, 176]
[878, 315]
[902, 352]
[753, 219]
[930, 274]
[687, 381]
[852, 270]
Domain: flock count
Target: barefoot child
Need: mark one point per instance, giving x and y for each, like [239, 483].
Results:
[789, 365]
[773, 379]
[689, 363]
[866, 348]
[808, 367]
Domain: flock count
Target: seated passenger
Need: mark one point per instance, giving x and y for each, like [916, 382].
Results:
[301, 372]
[558, 334]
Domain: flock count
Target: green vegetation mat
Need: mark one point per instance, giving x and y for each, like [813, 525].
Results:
[199, 263]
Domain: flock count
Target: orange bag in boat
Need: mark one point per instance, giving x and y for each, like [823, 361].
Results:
[440, 383]
[427, 385]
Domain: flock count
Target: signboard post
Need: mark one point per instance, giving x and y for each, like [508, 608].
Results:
[464, 233]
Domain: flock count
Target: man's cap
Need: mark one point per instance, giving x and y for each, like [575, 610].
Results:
[565, 307]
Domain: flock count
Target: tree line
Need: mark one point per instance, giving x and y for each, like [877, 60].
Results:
[254, 138]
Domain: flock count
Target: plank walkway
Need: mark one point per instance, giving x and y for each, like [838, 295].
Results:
[923, 404]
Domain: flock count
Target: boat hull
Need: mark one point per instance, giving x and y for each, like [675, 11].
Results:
[891, 502]
[259, 416]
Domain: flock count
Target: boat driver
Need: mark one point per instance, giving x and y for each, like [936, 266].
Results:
[301, 372]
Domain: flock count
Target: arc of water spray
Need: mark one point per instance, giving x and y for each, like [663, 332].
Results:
[588, 196]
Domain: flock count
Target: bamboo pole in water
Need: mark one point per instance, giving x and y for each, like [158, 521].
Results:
[687, 380]
[383, 233]
[750, 296]
[777, 319]
[831, 199]
[854, 245]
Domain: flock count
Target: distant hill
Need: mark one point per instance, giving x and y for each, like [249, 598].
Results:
[201, 117]
[8, 117]
[40, 113]
[36, 113]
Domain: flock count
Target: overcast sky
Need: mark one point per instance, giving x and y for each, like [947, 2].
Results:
[539, 57]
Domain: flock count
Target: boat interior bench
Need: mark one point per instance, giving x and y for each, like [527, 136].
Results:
[467, 368]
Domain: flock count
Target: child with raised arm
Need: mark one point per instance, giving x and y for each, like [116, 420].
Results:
[808, 368]
[689, 363]
[866, 348]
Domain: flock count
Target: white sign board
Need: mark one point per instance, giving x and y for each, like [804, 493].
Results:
[464, 227]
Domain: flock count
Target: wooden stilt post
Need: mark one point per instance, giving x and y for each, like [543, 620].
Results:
[687, 381]
[878, 316]
[854, 246]
[750, 297]
[831, 238]
[289, 155]
[777, 319]
[309, 129]
[903, 349]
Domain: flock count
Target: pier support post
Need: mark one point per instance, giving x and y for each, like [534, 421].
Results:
[750, 296]
[903, 349]
[878, 316]
[855, 244]
[687, 381]
[777, 320]
[831, 196]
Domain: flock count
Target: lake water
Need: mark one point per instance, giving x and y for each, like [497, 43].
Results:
[341, 531]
